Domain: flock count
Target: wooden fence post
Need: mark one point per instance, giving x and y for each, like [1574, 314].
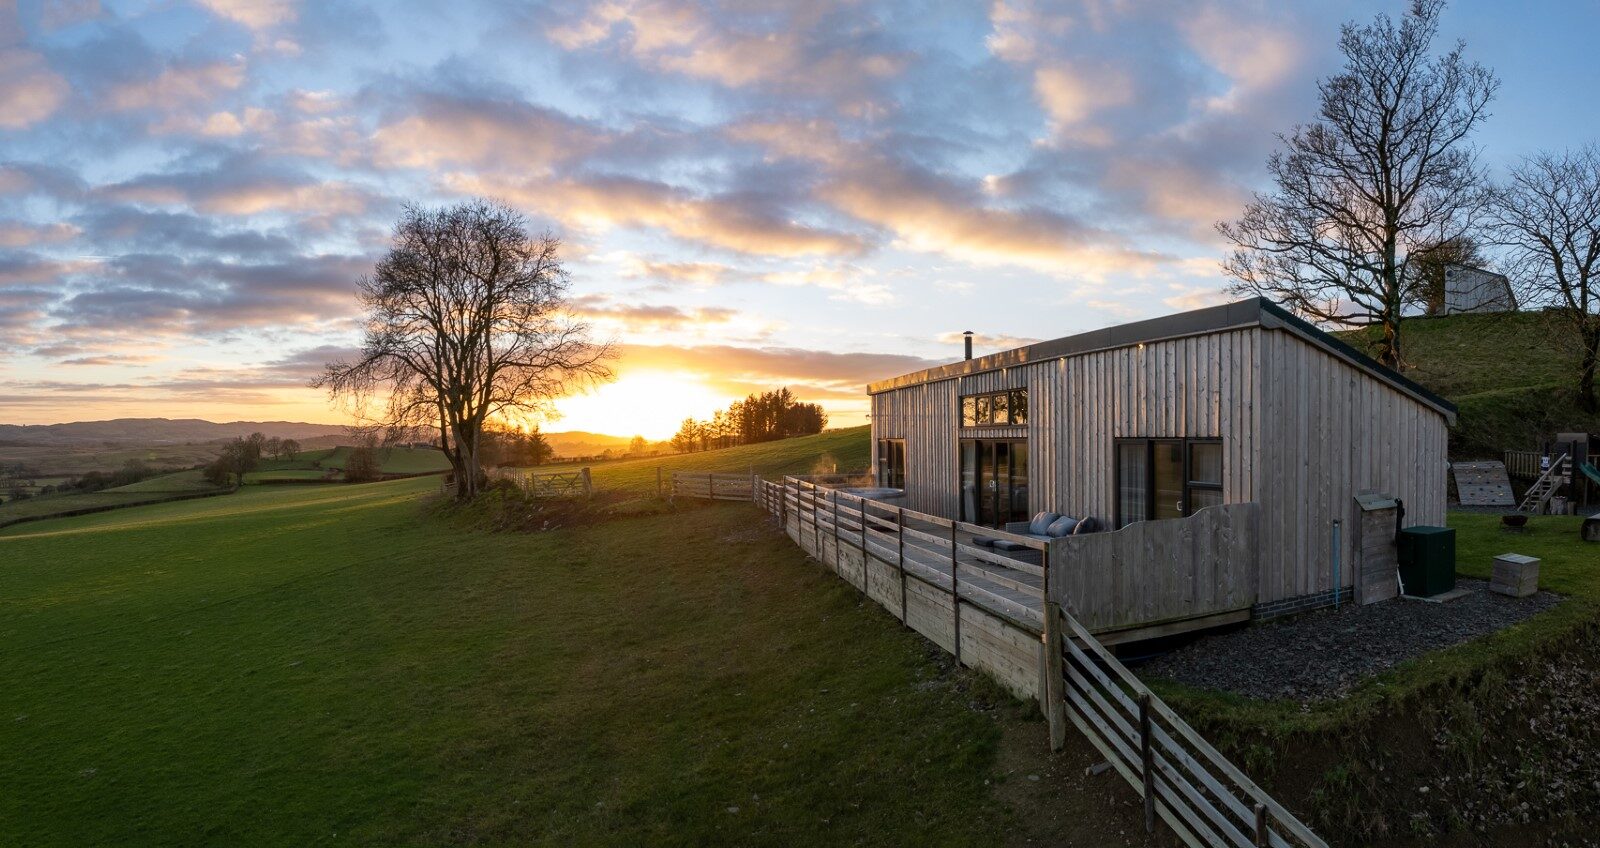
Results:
[1054, 696]
[1147, 755]
[955, 593]
[588, 482]
[837, 563]
[900, 560]
[861, 518]
[711, 487]
[1262, 838]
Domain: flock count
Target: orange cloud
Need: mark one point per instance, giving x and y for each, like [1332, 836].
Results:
[510, 134]
[178, 86]
[23, 234]
[718, 221]
[30, 91]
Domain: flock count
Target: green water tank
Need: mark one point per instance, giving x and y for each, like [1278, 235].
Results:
[1427, 560]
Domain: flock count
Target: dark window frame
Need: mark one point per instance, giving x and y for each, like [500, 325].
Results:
[984, 399]
[886, 470]
[1189, 483]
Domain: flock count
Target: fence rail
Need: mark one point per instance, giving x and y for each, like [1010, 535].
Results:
[547, 484]
[1525, 465]
[999, 614]
[713, 486]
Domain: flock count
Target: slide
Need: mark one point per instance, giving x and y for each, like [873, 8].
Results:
[1590, 471]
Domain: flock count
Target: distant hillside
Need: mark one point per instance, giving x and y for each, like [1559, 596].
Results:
[157, 431]
[579, 443]
[1512, 376]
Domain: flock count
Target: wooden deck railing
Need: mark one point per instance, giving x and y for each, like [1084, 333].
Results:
[1154, 574]
[995, 613]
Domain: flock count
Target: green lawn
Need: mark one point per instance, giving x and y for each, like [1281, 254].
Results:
[845, 449]
[331, 665]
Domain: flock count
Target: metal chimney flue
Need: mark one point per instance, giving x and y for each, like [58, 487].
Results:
[967, 335]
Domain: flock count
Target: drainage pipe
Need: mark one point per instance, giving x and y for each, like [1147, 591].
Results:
[1338, 587]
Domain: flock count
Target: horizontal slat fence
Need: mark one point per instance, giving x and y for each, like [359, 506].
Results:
[713, 486]
[925, 570]
[1153, 572]
[1183, 779]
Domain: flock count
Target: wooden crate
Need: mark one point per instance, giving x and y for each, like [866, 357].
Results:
[1515, 575]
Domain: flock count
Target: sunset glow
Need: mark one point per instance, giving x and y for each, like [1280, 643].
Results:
[646, 403]
[811, 195]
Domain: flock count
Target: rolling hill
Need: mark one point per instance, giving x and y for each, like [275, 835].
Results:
[1512, 376]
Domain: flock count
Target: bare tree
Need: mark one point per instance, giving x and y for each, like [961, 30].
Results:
[1386, 169]
[467, 321]
[1546, 216]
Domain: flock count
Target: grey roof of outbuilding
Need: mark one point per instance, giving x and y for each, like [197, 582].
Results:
[1255, 312]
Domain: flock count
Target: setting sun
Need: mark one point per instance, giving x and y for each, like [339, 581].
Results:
[647, 403]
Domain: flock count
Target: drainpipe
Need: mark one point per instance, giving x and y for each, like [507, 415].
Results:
[967, 335]
[1338, 587]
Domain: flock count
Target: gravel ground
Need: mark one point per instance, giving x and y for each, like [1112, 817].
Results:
[1326, 653]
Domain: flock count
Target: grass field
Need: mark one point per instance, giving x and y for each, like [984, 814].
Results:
[1511, 374]
[317, 666]
[153, 490]
[845, 449]
[394, 461]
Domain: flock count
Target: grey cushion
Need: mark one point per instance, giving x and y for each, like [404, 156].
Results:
[1040, 525]
[1062, 526]
[1088, 525]
[1007, 545]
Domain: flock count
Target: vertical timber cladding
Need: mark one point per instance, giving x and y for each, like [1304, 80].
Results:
[1202, 386]
[926, 417]
[1329, 431]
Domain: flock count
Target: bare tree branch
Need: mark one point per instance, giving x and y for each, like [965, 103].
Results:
[467, 322]
[1385, 172]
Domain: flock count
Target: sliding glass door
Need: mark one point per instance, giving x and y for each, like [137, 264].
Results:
[994, 481]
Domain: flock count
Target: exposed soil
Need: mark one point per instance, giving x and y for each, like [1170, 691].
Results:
[1326, 653]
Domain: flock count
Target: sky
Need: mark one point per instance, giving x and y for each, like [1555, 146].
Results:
[749, 195]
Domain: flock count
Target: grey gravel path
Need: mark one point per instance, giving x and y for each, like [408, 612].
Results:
[1326, 653]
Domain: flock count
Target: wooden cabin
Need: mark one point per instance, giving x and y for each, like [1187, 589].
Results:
[1144, 425]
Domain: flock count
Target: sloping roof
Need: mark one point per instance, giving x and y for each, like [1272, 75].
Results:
[1255, 312]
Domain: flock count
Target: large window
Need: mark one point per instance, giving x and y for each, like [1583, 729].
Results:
[994, 481]
[1166, 478]
[995, 409]
[892, 463]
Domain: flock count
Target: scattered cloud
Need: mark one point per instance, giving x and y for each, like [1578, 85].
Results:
[30, 90]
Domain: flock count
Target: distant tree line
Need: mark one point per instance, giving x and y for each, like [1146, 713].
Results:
[507, 446]
[763, 417]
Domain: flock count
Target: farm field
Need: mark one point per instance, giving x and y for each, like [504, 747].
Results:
[319, 462]
[153, 490]
[845, 449]
[60, 461]
[332, 665]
